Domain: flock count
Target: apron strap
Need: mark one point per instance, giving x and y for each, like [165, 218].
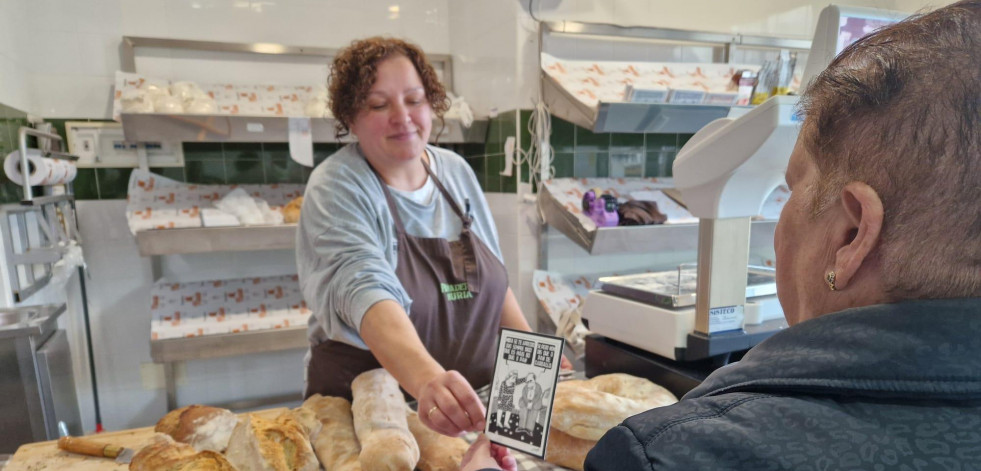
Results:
[466, 255]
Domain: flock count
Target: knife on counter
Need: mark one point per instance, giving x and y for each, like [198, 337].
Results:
[84, 446]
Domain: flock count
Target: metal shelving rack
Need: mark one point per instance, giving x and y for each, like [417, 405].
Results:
[152, 127]
[648, 117]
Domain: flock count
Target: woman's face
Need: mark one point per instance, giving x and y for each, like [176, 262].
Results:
[394, 125]
[801, 243]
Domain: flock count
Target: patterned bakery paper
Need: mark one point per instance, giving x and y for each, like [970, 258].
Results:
[232, 99]
[156, 202]
[594, 81]
[226, 306]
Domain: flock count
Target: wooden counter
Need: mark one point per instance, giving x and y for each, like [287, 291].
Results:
[46, 455]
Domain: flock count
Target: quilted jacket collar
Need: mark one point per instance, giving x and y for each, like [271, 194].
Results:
[914, 349]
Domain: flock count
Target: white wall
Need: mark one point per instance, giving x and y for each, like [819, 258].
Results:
[15, 88]
[76, 50]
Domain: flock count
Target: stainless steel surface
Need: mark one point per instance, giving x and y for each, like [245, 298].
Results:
[28, 412]
[130, 43]
[655, 117]
[215, 239]
[35, 234]
[150, 127]
[221, 345]
[634, 239]
[678, 288]
[57, 386]
[169, 351]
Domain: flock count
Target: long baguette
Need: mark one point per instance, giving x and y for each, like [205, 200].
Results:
[336, 445]
[379, 422]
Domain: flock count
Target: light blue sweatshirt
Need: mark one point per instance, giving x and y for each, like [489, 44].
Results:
[346, 242]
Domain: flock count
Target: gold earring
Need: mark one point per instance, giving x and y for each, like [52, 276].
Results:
[830, 279]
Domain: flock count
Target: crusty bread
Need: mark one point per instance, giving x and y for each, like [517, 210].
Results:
[336, 445]
[164, 454]
[271, 445]
[588, 408]
[567, 451]
[203, 427]
[291, 212]
[437, 452]
[379, 422]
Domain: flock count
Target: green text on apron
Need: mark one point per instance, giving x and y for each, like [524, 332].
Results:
[457, 291]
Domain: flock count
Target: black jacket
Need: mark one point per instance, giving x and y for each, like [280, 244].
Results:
[894, 386]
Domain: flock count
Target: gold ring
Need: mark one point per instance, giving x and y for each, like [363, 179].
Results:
[430, 413]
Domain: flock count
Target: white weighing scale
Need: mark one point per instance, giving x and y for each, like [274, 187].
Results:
[725, 173]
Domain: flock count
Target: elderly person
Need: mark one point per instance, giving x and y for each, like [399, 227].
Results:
[397, 252]
[878, 272]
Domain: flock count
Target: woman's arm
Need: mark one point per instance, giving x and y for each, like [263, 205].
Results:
[392, 338]
[512, 318]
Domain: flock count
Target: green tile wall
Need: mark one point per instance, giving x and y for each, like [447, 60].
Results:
[214, 163]
[10, 120]
[577, 151]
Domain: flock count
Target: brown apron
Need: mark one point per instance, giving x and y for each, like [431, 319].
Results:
[457, 291]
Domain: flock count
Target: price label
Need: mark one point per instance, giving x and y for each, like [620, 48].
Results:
[725, 318]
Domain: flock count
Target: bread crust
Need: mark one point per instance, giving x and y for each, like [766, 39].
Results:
[379, 422]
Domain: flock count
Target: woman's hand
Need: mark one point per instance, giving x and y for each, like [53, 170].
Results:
[486, 455]
[565, 364]
[448, 405]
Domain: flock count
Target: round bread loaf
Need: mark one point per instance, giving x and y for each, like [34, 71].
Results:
[203, 427]
[291, 212]
[163, 453]
[567, 451]
[588, 408]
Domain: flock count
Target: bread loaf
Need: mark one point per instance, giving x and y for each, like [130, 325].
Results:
[271, 445]
[336, 445]
[437, 452]
[567, 451]
[379, 422]
[291, 212]
[203, 427]
[164, 454]
[587, 409]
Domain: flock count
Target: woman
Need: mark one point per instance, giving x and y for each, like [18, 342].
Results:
[505, 399]
[878, 273]
[397, 253]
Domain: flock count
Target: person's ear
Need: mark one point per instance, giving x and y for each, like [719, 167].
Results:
[862, 225]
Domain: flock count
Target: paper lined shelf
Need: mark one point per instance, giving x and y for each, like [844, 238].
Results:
[204, 308]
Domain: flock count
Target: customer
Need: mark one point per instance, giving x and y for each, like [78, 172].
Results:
[396, 248]
[879, 274]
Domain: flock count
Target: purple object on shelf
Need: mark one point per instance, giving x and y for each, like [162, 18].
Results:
[601, 209]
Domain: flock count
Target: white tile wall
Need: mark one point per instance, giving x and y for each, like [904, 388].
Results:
[81, 39]
[15, 86]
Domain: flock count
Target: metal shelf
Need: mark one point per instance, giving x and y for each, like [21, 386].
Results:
[156, 127]
[215, 239]
[648, 117]
[630, 117]
[223, 345]
[635, 239]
